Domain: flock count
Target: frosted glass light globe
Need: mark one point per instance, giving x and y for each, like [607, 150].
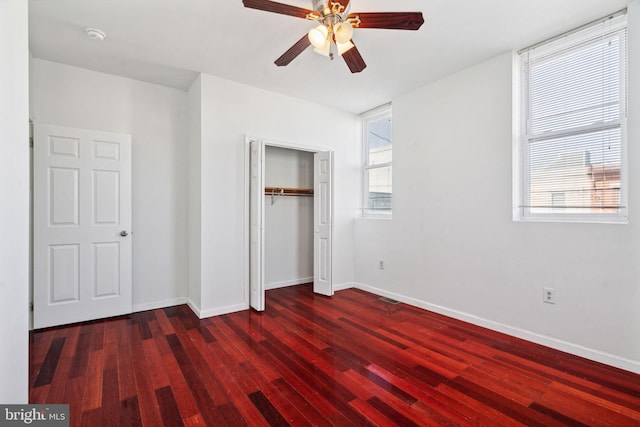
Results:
[343, 31]
[318, 36]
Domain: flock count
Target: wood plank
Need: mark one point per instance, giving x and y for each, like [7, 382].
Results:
[110, 394]
[195, 421]
[375, 417]
[168, 407]
[125, 365]
[268, 411]
[205, 401]
[130, 412]
[232, 415]
[73, 395]
[92, 395]
[386, 410]
[155, 366]
[50, 363]
[234, 381]
[184, 398]
[147, 403]
[575, 406]
[92, 418]
[310, 413]
[81, 356]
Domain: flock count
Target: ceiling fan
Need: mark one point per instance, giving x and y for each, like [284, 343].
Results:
[336, 25]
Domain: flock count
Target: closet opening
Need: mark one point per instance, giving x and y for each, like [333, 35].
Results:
[289, 218]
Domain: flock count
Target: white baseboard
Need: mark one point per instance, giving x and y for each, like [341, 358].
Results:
[194, 307]
[343, 286]
[216, 311]
[578, 350]
[285, 283]
[158, 304]
[336, 287]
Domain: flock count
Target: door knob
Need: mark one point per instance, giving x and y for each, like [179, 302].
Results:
[124, 233]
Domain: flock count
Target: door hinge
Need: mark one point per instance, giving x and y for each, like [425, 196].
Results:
[31, 306]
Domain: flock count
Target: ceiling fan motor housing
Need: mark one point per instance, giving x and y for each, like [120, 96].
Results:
[321, 6]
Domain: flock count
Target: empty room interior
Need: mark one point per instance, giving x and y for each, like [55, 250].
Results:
[310, 212]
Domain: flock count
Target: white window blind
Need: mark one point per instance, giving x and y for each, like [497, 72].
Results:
[573, 124]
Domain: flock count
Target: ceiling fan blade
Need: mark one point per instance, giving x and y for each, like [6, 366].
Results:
[354, 60]
[293, 51]
[275, 7]
[390, 20]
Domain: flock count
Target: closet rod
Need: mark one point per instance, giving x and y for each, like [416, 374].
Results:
[282, 191]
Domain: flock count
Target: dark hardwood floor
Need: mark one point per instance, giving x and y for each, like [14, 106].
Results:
[309, 360]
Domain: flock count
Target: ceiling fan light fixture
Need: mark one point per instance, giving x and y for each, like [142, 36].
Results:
[318, 36]
[334, 35]
[325, 49]
[343, 47]
[321, 6]
[343, 31]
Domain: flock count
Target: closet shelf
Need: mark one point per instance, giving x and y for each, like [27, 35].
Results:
[283, 191]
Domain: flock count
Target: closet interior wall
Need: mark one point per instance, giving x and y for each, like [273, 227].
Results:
[288, 218]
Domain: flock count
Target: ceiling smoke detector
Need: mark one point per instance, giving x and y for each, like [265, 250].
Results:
[95, 34]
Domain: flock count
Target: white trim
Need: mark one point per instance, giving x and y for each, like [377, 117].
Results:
[158, 304]
[292, 145]
[218, 311]
[376, 110]
[247, 159]
[557, 344]
[516, 130]
[343, 286]
[245, 238]
[286, 283]
[194, 307]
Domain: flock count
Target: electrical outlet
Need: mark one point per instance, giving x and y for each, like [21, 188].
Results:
[381, 264]
[549, 295]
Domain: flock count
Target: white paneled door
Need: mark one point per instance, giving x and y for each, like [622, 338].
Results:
[82, 225]
[322, 222]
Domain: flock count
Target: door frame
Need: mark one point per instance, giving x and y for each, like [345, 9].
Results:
[247, 201]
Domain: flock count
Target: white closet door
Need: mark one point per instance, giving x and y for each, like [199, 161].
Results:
[323, 222]
[256, 227]
[82, 225]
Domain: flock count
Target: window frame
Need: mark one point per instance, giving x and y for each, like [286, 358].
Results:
[369, 116]
[522, 138]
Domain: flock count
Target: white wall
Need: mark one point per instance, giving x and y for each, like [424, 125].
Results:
[452, 245]
[155, 116]
[229, 111]
[14, 209]
[289, 219]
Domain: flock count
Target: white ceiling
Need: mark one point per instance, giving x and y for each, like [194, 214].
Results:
[170, 41]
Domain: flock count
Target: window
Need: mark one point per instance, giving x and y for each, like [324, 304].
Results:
[570, 153]
[377, 162]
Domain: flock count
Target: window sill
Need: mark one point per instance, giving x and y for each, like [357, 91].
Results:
[376, 216]
[584, 219]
